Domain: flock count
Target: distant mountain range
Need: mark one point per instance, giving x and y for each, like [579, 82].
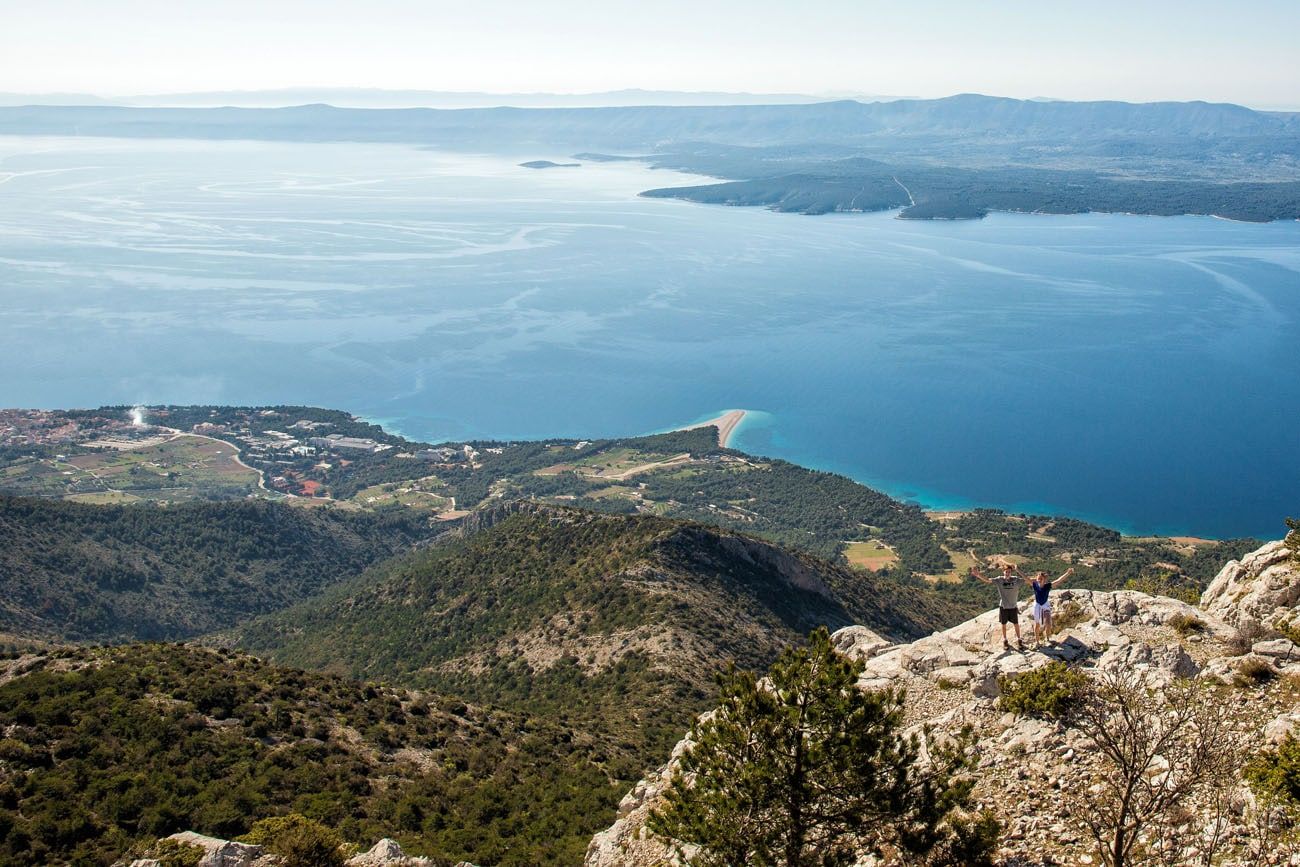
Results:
[980, 120]
[957, 157]
[374, 97]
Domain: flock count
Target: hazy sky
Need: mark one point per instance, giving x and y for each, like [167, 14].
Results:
[1240, 51]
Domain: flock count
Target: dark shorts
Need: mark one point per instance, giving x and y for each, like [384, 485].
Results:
[1008, 615]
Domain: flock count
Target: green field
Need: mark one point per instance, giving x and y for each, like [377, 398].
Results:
[871, 554]
[182, 468]
[411, 494]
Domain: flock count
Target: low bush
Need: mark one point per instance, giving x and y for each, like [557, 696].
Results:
[1275, 773]
[1245, 636]
[1054, 691]
[1253, 672]
[170, 853]
[1070, 613]
[1186, 624]
[299, 841]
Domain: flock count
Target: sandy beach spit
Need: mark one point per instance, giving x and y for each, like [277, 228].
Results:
[725, 423]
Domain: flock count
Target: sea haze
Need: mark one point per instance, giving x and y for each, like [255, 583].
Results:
[1139, 371]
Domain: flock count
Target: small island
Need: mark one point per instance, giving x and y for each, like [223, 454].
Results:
[547, 164]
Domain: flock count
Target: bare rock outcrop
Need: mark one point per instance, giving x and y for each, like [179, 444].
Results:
[1262, 588]
[387, 853]
[222, 853]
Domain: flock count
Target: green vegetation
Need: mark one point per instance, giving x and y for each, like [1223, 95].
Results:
[1276, 772]
[299, 841]
[119, 573]
[613, 623]
[682, 474]
[926, 192]
[1253, 672]
[807, 769]
[169, 853]
[1054, 691]
[107, 748]
[1186, 624]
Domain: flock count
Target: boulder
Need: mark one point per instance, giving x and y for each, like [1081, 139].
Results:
[984, 677]
[859, 642]
[1226, 669]
[1280, 649]
[1263, 588]
[952, 675]
[387, 852]
[1282, 727]
[1170, 659]
[220, 853]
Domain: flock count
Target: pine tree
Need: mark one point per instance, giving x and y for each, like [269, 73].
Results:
[804, 768]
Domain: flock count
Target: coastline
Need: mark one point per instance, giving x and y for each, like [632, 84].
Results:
[726, 423]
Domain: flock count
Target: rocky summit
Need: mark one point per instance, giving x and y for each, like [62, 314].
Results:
[1027, 769]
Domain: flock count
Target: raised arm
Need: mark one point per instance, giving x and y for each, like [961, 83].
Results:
[1064, 575]
[975, 573]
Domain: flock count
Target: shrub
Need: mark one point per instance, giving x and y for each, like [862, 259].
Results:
[1276, 771]
[1186, 624]
[1247, 633]
[169, 853]
[299, 841]
[1071, 613]
[1253, 672]
[1054, 691]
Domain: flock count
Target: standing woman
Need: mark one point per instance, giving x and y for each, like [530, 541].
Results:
[1043, 604]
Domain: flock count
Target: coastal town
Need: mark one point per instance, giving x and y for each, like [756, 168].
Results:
[171, 455]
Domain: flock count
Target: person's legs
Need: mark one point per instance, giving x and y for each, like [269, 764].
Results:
[1047, 624]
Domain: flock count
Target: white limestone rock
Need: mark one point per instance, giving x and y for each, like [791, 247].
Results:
[220, 853]
[1169, 659]
[1263, 588]
[859, 642]
[387, 853]
[1280, 649]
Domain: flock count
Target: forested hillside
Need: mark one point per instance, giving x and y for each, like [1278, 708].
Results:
[106, 747]
[79, 572]
[617, 624]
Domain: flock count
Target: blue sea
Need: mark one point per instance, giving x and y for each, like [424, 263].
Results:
[1142, 372]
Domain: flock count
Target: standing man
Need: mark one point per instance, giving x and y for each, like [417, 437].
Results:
[1008, 584]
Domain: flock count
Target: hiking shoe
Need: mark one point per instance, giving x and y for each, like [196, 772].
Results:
[1006, 645]
[1020, 645]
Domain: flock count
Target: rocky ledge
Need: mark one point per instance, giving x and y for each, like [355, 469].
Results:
[229, 853]
[1025, 765]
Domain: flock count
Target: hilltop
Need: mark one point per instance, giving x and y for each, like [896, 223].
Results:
[615, 623]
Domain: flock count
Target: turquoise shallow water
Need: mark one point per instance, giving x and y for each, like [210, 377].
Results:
[1144, 372]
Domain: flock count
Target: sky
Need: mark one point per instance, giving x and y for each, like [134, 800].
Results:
[1137, 50]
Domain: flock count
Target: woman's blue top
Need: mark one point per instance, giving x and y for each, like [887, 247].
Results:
[1041, 591]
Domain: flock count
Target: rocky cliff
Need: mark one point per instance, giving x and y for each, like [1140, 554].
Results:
[1027, 766]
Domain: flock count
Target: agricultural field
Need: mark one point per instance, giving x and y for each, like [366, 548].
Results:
[872, 555]
[616, 464]
[413, 494]
[181, 468]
